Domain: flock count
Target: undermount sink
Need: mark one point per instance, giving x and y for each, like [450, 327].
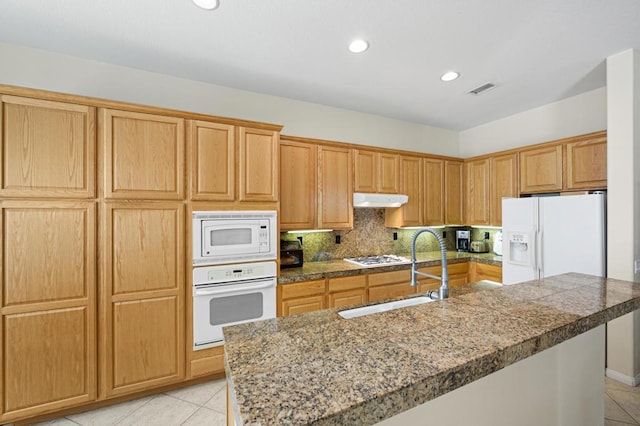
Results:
[383, 307]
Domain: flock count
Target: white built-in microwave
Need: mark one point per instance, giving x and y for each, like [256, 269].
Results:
[234, 236]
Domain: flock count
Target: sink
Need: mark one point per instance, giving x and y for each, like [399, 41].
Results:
[383, 307]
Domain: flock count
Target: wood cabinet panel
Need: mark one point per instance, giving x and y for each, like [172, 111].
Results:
[143, 155]
[482, 271]
[453, 205]
[458, 275]
[411, 181]
[298, 185]
[541, 169]
[48, 148]
[587, 164]
[346, 283]
[301, 289]
[335, 209]
[390, 291]
[434, 191]
[389, 176]
[49, 251]
[504, 183]
[145, 246]
[384, 278]
[207, 361]
[212, 159]
[303, 305]
[259, 164]
[44, 367]
[347, 298]
[477, 205]
[366, 170]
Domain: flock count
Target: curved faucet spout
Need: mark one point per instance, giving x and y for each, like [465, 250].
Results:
[443, 291]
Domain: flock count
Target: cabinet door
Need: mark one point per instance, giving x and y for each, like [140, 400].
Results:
[504, 183]
[410, 214]
[453, 205]
[212, 160]
[458, 275]
[258, 174]
[302, 305]
[389, 176]
[48, 306]
[433, 191]
[390, 285]
[366, 170]
[142, 329]
[347, 298]
[587, 164]
[143, 155]
[541, 170]
[47, 148]
[478, 192]
[298, 185]
[335, 209]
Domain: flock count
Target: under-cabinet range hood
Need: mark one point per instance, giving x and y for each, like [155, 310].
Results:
[361, 199]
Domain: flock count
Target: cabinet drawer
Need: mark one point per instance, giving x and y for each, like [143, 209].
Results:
[391, 291]
[347, 283]
[384, 278]
[305, 288]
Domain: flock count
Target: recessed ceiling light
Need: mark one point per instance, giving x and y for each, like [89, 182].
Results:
[449, 76]
[358, 46]
[207, 4]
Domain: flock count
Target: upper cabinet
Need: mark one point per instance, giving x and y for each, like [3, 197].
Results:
[434, 191]
[477, 173]
[504, 183]
[376, 171]
[586, 163]
[411, 183]
[335, 206]
[541, 169]
[454, 205]
[143, 155]
[232, 163]
[47, 148]
[298, 185]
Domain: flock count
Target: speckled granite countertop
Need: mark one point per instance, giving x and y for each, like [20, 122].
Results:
[341, 268]
[321, 369]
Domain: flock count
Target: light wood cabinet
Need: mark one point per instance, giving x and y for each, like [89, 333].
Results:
[586, 164]
[143, 155]
[434, 191]
[411, 181]
[483, 271]
[504, 183]
[390, 285]
[541, 169]
[376, 171]
[48, 306]
[297, 298]
[142, 296]
[48, 148]
[258, 164]
[335, 208]
[346, 291]
[458, 275]
[298, 185]
[212, 157]
[453, 205]
[477, 206]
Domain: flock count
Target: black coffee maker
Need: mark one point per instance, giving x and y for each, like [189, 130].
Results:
[463, 239]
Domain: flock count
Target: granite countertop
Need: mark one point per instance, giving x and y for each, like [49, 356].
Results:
[321, 369]
[342, 268]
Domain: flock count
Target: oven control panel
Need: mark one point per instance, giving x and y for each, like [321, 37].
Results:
[230, 273]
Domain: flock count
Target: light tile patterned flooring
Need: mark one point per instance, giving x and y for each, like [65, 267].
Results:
[205, 404]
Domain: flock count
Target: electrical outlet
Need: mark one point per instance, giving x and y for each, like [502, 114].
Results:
[300, 239]
[337, 239]
[395, 236]
[486, 235]
[636, 266]
[444, 234]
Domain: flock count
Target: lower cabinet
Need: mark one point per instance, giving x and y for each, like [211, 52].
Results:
[390, 285]
[482, 271]
[298, 298]
[347, 291]
[207, 361]
[458, 275]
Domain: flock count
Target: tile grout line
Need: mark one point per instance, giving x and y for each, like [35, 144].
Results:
[129, 414]
[635, 422]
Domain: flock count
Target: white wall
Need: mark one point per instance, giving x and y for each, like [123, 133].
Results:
[584, 113]
[22, 66]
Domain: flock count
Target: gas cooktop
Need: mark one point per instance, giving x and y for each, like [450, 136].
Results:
[381, 260]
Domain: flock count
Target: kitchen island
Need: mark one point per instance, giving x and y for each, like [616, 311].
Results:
[321, 369]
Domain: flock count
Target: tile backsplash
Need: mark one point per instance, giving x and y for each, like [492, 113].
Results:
[369, 236]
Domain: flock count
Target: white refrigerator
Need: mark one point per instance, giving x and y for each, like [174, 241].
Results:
[546, 236]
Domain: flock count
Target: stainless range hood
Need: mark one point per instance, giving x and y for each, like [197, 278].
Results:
[362, 199]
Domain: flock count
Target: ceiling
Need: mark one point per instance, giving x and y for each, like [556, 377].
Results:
[535, 52]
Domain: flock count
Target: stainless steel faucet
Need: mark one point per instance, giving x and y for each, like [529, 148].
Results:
[443, 291]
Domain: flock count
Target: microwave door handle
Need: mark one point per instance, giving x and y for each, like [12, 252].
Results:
[230, 289]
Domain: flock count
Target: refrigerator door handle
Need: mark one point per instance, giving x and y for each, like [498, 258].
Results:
[539, 255]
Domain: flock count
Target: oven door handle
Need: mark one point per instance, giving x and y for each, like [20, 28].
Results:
[230, 289]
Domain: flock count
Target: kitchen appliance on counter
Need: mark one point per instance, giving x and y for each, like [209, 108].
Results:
[479, 247]
[463, 238]
[291, 255]
[546, 236]
[231, 294]
[234, 236]
[381, 260]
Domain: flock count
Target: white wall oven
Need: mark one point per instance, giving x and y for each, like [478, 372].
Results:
[231, 294]
[234, 236]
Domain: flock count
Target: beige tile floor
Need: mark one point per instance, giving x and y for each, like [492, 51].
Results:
[205, 404]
